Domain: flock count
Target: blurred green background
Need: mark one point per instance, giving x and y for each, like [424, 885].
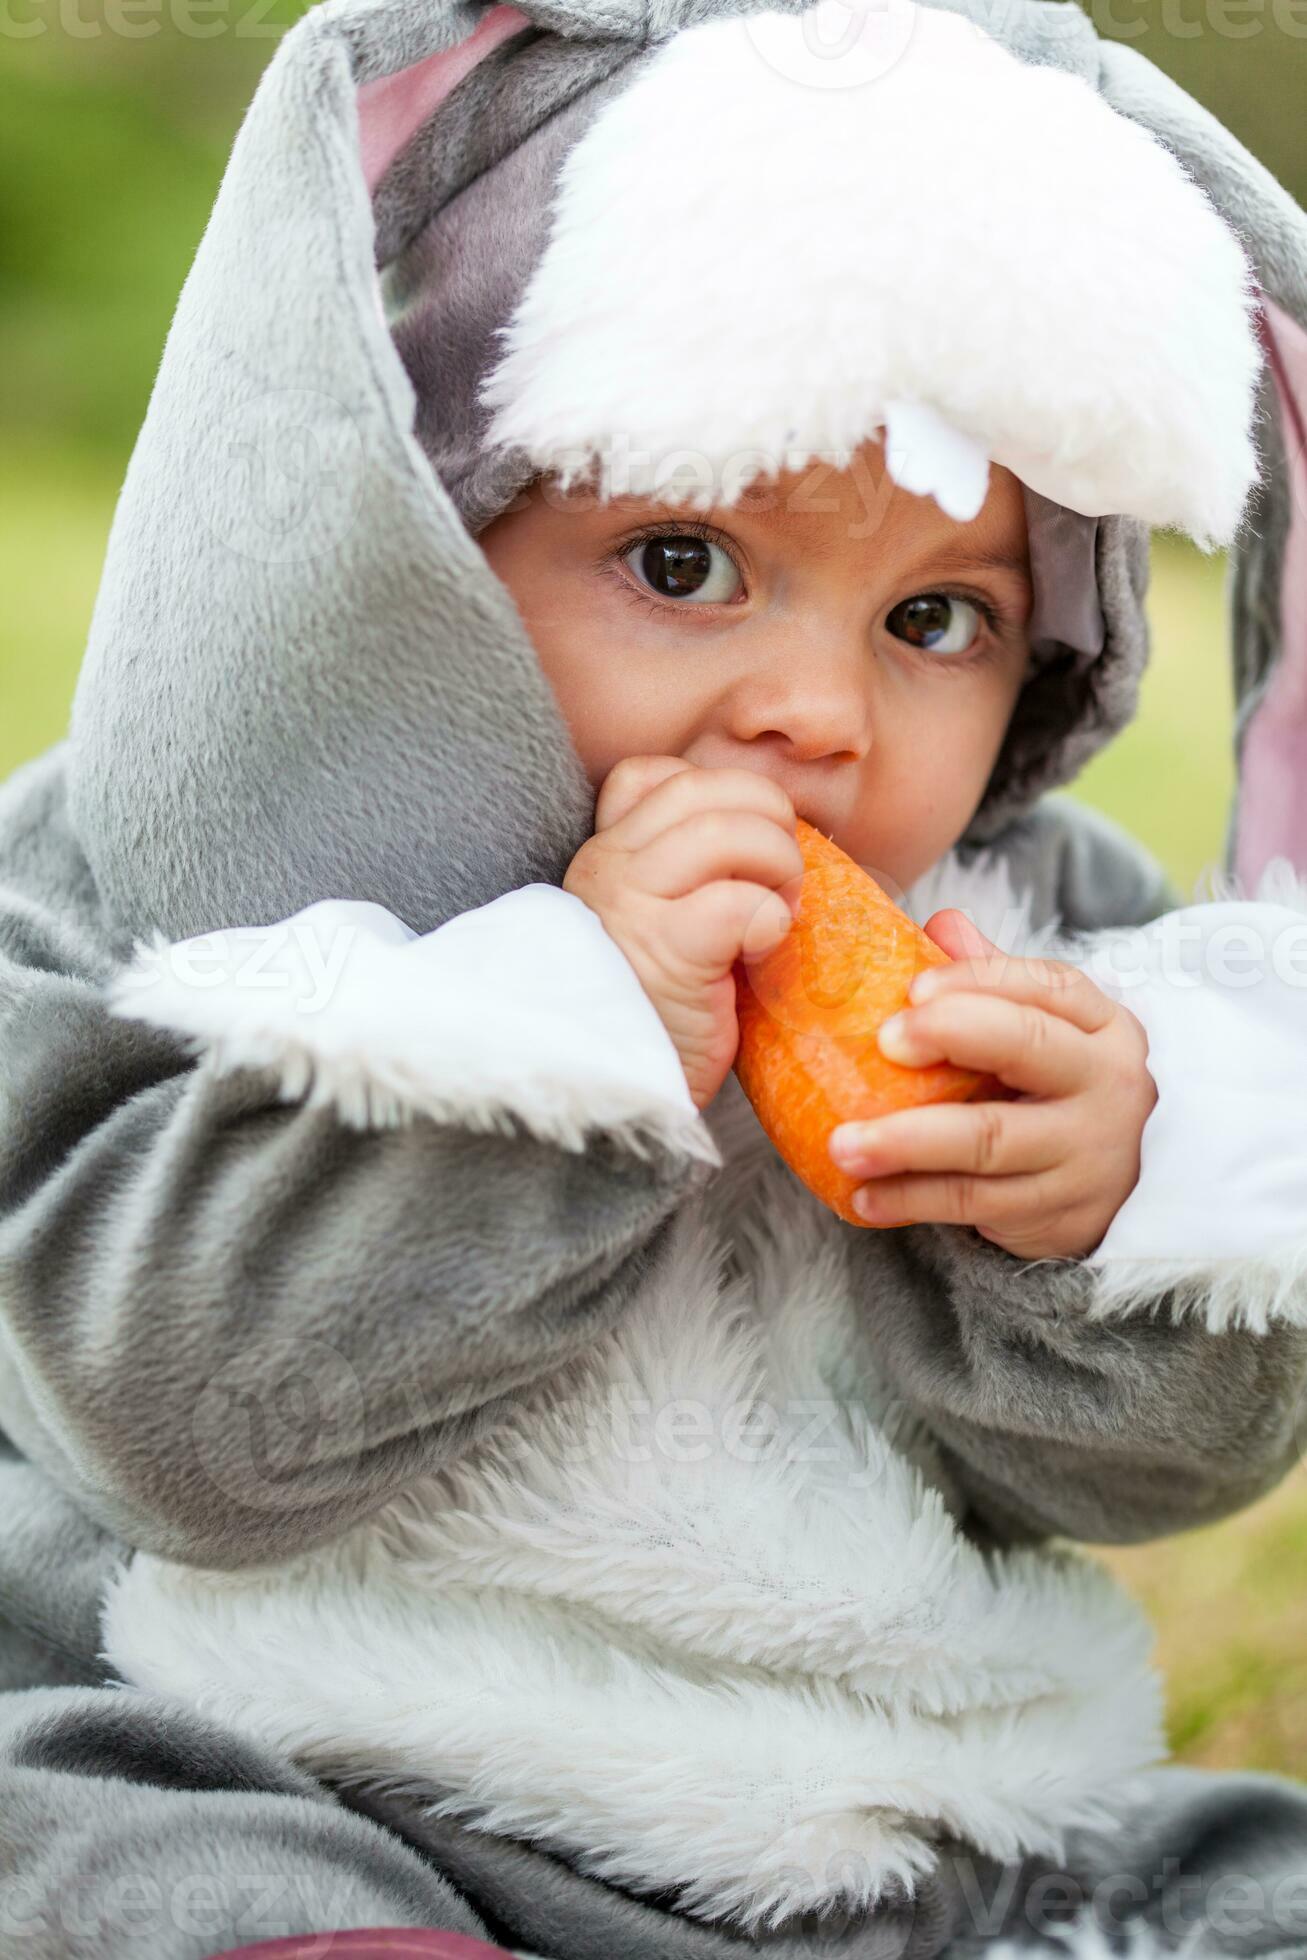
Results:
[115, 120]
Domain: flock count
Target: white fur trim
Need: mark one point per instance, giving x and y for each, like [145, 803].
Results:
[524, 1008]
[924, 455]
[838, 253]
[688, 1615]
[984, 891]
[1217, 1223]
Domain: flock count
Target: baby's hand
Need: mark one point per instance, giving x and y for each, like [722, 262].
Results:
[685, 869]
[1044, 1175]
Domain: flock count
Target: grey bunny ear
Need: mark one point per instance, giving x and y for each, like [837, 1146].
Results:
[392, 108]
[1269, 556]
[302, 679]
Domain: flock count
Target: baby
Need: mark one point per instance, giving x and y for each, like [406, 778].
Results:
[454, 1476]
[790, 658]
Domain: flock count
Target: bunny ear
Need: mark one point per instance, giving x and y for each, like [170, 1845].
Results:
[1269, 554]
[393, 108]
[1272, 816]
[278, 498]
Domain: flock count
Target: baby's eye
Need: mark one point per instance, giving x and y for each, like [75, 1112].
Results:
[936, 621]
[679, 565]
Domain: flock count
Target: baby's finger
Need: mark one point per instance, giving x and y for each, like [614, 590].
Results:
[1054, 985]
[1000, 1203]
[669, 794]
[989, 1139]
[630, 781]
[711, 928]
[1026, 1047]
[958, 935]
[719, 843]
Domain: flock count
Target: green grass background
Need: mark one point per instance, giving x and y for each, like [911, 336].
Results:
[111, 149]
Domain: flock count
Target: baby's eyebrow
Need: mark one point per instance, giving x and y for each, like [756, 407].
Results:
[945, 559]
[980, 558]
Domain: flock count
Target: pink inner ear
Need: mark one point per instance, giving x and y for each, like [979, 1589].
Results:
[395, 107]
[1273, 794]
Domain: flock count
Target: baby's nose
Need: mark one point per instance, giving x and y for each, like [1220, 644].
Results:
[819, 712]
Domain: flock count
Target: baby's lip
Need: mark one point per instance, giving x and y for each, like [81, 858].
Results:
[816, 818]
[807, 807]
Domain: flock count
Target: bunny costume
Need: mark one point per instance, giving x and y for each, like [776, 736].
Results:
[450, 1480]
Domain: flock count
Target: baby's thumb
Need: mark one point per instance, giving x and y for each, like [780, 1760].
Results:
[955, 934]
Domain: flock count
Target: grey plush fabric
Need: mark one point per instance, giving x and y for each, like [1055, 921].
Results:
[134, 1832]
[229, 1328]
[233, 1327]
[130, 1830]
[177, 1252]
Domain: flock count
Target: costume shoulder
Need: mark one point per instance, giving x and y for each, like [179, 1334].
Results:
[50, 915]
[1081, 868]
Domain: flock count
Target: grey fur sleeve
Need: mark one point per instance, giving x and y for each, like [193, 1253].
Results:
[1059, 1413]
[1109, 1431]
[234, 1325]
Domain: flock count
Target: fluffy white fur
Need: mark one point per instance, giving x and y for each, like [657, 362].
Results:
[1216, 1226]
[526, 1009]
[713, 1541]
[977, 246]
[522, 1009]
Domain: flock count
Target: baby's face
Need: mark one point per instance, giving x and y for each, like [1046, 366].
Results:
[828, 629]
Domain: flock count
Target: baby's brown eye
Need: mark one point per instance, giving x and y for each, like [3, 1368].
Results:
[680, 565]
[936, 621]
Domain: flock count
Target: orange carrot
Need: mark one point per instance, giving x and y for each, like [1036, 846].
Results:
[809, 1013]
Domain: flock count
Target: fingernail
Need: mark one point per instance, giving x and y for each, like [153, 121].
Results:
[848, 1143]
[864, 1202]
[924, 984]
[895, 1039]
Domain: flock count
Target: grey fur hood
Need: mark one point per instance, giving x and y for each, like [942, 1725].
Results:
[303, 679]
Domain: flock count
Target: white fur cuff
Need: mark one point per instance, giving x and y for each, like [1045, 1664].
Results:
[522, 1008]
[1219, 1215]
